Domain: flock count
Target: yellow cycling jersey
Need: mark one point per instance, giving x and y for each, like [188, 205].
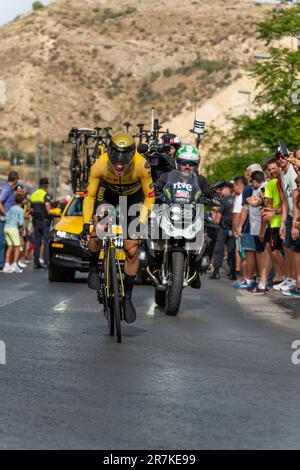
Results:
[138, 176]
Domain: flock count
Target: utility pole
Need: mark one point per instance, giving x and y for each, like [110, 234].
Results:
[41, 158]
[37, 161]
[50, 172]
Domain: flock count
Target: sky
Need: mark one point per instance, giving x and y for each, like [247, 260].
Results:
[9, 9]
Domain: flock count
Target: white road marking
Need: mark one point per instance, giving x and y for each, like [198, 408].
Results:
[62, 306]
[150, 312]
[24, 285]
[9, 296]
[78, 303]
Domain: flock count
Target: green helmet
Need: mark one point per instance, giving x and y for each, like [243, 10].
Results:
[188, 153]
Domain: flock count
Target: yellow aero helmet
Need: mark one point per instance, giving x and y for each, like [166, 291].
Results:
[121, 149]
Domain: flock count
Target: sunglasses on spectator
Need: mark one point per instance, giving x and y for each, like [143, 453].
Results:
[187, 163]
[278, 157]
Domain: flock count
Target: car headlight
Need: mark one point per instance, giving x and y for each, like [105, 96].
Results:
[176, 213]
[70, 236]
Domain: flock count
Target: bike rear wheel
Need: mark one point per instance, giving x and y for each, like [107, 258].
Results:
[75, 171]
[115, 304]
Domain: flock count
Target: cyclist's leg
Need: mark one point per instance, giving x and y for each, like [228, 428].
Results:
[131, 248]
[95, 244]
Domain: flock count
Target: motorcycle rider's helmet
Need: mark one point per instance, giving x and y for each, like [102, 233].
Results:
[121, 149]
[189, 155]
[171, 139]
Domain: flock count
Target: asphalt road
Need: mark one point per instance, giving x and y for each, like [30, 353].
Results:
[217, 376]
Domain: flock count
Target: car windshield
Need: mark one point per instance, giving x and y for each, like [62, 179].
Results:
[75, 208]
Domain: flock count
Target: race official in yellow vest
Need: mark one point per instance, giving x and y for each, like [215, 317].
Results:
[41, 205]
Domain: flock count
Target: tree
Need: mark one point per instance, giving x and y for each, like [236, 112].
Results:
[277, 110]
[37, 5]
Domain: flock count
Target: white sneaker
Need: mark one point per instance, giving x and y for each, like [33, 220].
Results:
[16, 269]
[22, 265]
[7, 269]
[279, 287]
[290, 284]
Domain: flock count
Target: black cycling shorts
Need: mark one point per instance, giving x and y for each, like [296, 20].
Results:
[272, 237]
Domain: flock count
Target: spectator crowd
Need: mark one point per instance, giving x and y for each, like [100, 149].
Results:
[24, 225]
[258, 227]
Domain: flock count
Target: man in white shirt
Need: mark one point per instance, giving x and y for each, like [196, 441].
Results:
[288, 178]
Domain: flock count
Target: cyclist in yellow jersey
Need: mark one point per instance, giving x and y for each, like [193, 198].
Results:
[122, 171]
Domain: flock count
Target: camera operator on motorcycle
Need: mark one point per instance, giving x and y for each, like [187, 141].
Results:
[171, 142]
[122, 171]
[187, 160]
[161, 155]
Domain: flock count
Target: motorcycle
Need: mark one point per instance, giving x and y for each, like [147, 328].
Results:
[176, 250]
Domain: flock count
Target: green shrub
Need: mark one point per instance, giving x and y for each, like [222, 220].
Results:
[37, 5]
[154, 76]
[109, 94]
[130, 10]
[168, 72]
[97, 117]
[108, 14]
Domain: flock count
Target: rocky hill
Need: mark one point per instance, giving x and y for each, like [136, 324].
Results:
[77, 63]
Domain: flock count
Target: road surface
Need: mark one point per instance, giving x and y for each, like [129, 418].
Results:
[217, 376]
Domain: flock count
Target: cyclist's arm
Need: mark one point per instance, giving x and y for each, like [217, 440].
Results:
[149, 194]
[89, 200]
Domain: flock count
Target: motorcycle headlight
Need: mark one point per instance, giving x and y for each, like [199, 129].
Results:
[70, 236]
[176, 213]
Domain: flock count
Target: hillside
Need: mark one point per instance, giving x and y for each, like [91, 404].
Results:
[73, 65]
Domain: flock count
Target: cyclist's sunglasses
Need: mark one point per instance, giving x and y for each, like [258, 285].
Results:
[187, 163]
[123, 158]
[280, 156]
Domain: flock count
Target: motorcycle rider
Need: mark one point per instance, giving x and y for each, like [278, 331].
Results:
[187, 160]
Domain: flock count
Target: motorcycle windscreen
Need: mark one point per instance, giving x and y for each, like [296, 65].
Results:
[182, 188]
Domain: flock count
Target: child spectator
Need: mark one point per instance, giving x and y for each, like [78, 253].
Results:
[13, 224]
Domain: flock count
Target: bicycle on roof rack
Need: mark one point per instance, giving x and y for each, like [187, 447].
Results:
[88, 145]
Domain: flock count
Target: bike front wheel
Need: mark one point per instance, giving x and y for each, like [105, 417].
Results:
[115, 304]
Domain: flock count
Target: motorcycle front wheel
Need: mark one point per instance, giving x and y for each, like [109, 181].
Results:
[174, 292]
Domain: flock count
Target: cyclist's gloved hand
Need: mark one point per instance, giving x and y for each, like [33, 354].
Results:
[85, 232]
